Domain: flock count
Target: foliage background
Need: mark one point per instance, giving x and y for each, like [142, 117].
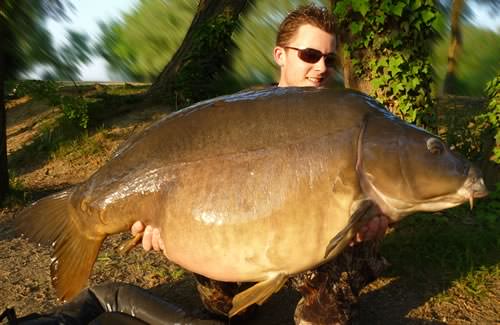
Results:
[139, 45]
[153, 47]
[479, 61]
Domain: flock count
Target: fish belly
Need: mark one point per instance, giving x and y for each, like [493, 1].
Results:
[253, 219]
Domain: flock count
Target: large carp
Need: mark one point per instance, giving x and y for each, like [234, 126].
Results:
[255, 186]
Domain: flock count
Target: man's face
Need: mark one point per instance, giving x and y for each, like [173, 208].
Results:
[295, 71]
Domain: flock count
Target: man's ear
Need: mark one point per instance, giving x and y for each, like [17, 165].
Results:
[279, 55]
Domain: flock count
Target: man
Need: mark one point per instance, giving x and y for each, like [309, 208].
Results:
[304, 51]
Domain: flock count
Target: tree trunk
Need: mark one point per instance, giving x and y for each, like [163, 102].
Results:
[4, 172]
[202, 56]
[350, 80]
[450, 81]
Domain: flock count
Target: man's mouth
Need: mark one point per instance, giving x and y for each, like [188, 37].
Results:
[315, 80]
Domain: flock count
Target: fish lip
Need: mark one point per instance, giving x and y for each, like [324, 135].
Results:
[474, 183]
[477, 194]
[480, 194]
[473, 187]
[477, 189]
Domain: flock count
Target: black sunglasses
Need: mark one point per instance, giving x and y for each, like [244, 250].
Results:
[312, 56]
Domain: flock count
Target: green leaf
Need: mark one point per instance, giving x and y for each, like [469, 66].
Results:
[405, 26]
[361, 6]
[398, 9]
[396, 87]
[380, 42]
[380, 17]
[341, 9]
[386, 5]
[397, 60]
[368, 39]
[414, 82]
[412, 115]
[394, 70]
[417, 25]
[357, 27]
[377, 83]
[428, 15]
[416, 4]
[394, 63]
[347, 51]
[402, 107]
[383, 62]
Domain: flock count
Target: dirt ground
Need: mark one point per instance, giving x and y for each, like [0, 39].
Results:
[24, 266]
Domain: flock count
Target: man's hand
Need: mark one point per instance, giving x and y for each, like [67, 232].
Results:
[375, 229]
[151, 237]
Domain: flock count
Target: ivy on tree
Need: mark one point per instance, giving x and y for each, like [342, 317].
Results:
[385, 49]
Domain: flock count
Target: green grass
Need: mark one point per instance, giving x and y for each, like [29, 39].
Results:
[52, 135]
[165, 271]
[127, 89]
[477, 282]
[176, 273]
[81, 146]
[110, 101]
[61, 137]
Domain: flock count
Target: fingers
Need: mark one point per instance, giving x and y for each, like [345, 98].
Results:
[152, 239]
[361, 235]
[162, 245]
[156, 239]
[137, 227]
[147, 239]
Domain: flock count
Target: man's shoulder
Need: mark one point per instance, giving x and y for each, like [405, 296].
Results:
[259, 87]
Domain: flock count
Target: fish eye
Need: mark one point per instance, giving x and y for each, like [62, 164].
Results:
[435, 146]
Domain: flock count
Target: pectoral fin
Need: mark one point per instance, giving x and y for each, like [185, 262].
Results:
[365, 210]
[258, 293]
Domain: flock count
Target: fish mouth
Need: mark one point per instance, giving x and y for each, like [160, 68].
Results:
[476, 195]
[395, 209]
[474, 187]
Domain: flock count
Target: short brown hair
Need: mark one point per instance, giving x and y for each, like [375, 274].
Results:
[319, 17]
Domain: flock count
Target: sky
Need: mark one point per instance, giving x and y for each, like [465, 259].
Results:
[88, 13]
[85, 17]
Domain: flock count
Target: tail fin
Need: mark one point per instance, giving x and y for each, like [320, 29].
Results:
[51, 221]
